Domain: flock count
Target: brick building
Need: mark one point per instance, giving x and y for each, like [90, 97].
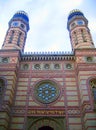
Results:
[48, 91]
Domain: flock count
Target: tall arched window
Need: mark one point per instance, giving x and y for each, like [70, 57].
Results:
[83, 35]
[75, 38]
[19, 38]
[93, 88]
[2, 87]
[11, 36]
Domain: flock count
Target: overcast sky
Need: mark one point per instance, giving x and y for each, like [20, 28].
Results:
[48, 21]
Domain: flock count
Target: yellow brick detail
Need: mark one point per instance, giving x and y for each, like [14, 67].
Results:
[75, 127]
[73, 103]
[18, 119]
[17, 126]
[23, 83]
[72, 97]
[20, 103]
[74, 120]
[59, 104]
[23, 79]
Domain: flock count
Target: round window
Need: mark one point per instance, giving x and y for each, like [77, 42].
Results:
[56, 66]
[25, 66]
[46, 66]
[68, 66]
[46, 92]
[37, 66]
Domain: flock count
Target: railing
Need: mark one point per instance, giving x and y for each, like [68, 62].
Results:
[48, 53]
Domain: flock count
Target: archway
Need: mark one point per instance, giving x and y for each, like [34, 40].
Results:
[46, 128]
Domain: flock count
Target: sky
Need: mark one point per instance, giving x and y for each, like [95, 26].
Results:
[48, 22]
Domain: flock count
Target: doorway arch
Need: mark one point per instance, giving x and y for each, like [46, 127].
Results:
[45, 128]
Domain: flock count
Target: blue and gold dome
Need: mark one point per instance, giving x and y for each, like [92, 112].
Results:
[75, 12]
[21, 15]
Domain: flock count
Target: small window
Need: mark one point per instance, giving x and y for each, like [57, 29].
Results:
[25, 67]
[83, 35]
[11, 36]
[68, 66]
[80, 22]
[22, 26]
[89, 59]
[57, 66]
[46, 66]
[93, 88]
[75, 38]
[73, 24]
[19, 38]
[2, 85]
[37, 66]
[5, 60]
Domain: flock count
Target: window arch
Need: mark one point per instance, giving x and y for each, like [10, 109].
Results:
[25, 66]
[19, 38]
[2, 88]
[75, 38]
[11, 36]
[83, 35]
[93, 88]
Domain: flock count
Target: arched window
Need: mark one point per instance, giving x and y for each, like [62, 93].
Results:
[93, 88]
[25, 67]
[19, 37]
[11, 36]
[83, 35]
[2, 87]
[75, 38]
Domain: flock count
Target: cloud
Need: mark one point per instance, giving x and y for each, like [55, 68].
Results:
[92, 26]
[48, 21]
[68, 5]
[2, 35]
[47, 24]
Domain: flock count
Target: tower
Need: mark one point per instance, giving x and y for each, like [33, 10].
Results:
[78, 30]
[17, 32]
[48, 90]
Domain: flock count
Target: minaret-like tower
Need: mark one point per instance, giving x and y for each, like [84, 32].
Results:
[79, 32]
[17, 32]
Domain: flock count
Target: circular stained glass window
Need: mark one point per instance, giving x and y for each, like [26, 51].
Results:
[46, 92]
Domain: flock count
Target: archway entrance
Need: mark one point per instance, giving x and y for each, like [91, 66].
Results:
[46, 128]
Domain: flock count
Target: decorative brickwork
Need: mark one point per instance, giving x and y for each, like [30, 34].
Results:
[48, 90]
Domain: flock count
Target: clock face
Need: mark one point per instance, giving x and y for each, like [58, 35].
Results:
[80, 22]
[46, 92]
[15, 24]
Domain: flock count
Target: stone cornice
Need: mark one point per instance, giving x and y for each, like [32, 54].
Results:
[47, 56]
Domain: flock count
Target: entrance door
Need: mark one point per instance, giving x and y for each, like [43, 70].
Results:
[45, 128]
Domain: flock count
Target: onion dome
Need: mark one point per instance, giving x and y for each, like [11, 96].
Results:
[20, 16]
[75, 12]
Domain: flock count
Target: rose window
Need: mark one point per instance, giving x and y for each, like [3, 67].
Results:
[46, 92]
